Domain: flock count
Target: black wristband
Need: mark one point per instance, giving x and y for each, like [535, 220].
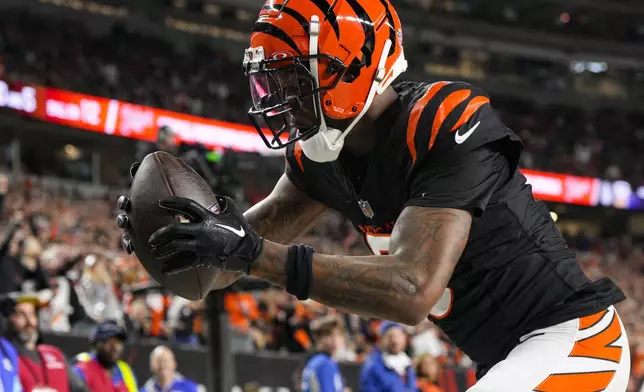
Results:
[299, 271]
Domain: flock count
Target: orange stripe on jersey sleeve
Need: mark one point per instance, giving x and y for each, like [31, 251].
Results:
[446, 107]
[415, 114]
[599, 346]
[579, 382]
[471, 108]
[297, 152]
[589, 321]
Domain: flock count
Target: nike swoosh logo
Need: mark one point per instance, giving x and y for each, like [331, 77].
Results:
[240, 232]
[461, 138]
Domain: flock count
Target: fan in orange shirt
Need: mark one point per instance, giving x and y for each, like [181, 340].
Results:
[427, 370]
[242, 310]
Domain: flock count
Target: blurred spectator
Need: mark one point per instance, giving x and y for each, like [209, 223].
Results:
[321, 372]
[4, 187]
[8, 266]
[97, 287]
[165, 376]
[55, 315]
[427, 341]
[20, 259]
[389, 368]
[40, 365]
[9, 377]
[187, 328]
[138, 319]
[102, 368]
[427, 371]
[242, 310]
[158, 303]
[64, 309]
[292, 329]
[278, 321]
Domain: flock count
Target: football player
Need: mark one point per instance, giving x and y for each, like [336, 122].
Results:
[428, 173]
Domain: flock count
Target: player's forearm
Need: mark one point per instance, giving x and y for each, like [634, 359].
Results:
[285, 214]
[275, 221]
[425, 246]
[374, 286]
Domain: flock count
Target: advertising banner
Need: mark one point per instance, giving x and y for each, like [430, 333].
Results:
[585, 191]
[118, 118]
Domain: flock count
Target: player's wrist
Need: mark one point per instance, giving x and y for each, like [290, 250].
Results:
[271, 263]
[290, 267]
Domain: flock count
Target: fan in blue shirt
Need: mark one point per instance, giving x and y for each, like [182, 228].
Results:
[166, 378]
[9, 380]
[321, 372]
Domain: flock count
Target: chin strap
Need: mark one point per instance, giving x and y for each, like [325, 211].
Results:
[314, 33]
[326, 144]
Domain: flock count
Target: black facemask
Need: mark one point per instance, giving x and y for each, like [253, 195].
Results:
[286, 100]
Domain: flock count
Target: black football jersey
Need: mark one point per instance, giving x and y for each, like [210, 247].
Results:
[442, 145]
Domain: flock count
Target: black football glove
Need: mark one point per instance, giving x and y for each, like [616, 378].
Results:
[122, 221]
[222, 240]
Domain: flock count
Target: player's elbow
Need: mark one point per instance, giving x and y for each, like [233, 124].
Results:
[416, 312]
[422, 298]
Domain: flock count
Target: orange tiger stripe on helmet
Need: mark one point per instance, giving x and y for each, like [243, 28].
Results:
[329, 14]
[579, 382]
[304, 23]
[445, 108]
[282, 23]
[415, 114]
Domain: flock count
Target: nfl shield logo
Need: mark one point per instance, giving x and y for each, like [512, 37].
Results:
[366, 208]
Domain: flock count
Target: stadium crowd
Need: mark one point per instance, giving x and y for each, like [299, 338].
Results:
[199, 80]
[67, 247]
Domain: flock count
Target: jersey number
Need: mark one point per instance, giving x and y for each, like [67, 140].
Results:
[379, 245]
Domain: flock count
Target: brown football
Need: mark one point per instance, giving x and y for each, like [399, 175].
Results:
[159, 176]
